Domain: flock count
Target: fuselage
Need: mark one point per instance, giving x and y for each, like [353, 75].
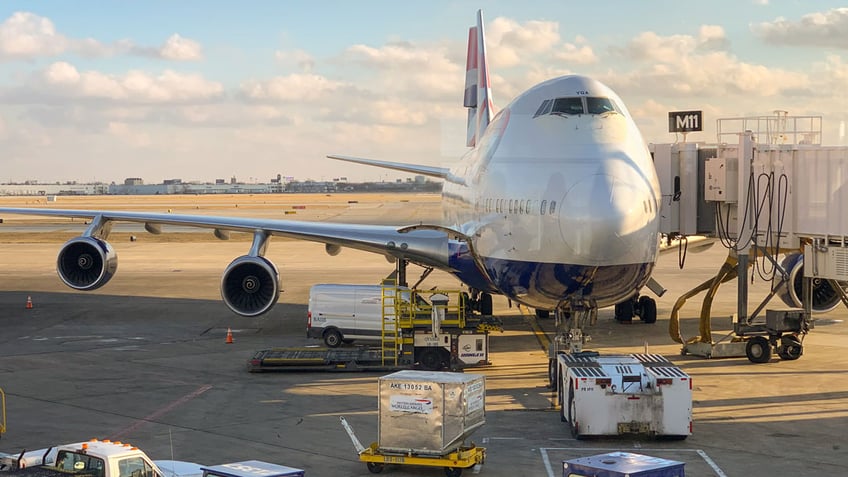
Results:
[560, 199]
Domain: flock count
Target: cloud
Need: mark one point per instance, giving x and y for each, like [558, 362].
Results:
[302, 59]
[63, 80]
[828, 29]
[294, 87]
[649, 46]
[509, 42]
[180, 49]
[25, 35]
[576, 53]
[409, 70]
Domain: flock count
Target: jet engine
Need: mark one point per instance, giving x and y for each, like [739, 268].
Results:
[825, 296]
[250, 285]
[86, 263]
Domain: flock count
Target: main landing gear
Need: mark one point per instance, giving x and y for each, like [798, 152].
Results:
[481, 302]
[644, 307]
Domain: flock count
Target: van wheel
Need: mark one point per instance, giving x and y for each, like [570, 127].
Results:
[332, 338]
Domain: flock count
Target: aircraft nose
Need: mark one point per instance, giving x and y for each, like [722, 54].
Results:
[604, 217]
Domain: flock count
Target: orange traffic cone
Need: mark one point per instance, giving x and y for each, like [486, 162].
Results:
[29, 303]
[229, 336]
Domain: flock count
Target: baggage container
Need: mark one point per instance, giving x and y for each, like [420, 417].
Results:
[429, 412]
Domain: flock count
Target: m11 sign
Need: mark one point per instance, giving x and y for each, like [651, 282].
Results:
[685, 121]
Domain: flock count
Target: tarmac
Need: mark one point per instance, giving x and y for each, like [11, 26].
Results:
[144, 360]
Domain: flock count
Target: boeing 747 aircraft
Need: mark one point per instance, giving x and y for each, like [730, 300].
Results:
[555, 206]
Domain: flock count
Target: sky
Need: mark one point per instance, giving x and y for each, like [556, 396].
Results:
[204, 89]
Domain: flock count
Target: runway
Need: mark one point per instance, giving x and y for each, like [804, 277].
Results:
[143, 360]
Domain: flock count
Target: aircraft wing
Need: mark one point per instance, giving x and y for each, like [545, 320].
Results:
[426, 247]
[439, 172]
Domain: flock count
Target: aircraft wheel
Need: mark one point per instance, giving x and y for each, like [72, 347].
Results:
[486, 304]
[790, 348]
[758, 350]
[332, 338]
[374, 467]
[624, 311]
[648, 309]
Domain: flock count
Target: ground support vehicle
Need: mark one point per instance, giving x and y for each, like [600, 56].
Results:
[95, 458]
[104, 458]
[623, 394]
[425, 418]
[430, 334]
[782, 333]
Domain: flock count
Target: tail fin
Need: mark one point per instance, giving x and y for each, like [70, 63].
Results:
[478, 96]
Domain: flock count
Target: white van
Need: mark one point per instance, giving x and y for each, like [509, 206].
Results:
[343, 313]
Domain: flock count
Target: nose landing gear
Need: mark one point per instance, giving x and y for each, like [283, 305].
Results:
[644, 307]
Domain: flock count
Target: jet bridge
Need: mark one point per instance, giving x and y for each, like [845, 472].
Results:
[767, 189]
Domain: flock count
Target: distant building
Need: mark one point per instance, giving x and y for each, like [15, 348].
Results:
[133, 181]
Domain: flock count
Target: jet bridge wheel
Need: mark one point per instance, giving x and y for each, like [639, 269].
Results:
[790, 348]
[758, 350]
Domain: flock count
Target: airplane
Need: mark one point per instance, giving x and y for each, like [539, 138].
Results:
[555, 206]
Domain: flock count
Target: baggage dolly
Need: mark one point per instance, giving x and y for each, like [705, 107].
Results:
[465, 457]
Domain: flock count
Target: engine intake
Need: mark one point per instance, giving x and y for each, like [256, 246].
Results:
[250, 285]
[825, 296]
[86, 263]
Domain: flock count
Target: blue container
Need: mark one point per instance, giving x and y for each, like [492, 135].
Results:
[622, 464]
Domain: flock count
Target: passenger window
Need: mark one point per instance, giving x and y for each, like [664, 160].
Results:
[510, 206]
[568, 106]
[544, 206]
[553, 207]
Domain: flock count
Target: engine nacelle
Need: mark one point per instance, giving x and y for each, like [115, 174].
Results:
[825, 296]
[250, 285]
[86, 263]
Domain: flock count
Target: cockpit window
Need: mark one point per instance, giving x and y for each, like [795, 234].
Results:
[568, 106]
[577, 105]
[599, 105]
[544, 108]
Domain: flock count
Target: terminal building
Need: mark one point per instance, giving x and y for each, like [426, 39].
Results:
[278, 185]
